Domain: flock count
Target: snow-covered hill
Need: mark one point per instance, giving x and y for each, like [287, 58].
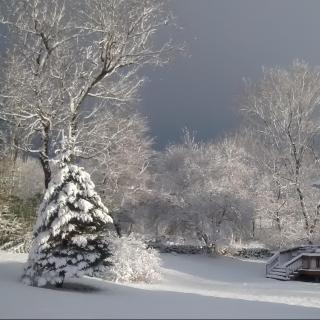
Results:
[192, 287]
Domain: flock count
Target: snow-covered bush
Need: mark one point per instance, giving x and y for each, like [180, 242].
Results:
[10, 226]
[20, 243]
[69, 235]
[133, 261]
[17, 217]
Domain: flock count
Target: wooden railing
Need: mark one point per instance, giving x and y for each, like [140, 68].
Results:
[306, 248]
[274, 260]
[291, 262]
[294, 264]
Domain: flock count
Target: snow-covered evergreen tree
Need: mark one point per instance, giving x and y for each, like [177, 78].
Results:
[69, 235]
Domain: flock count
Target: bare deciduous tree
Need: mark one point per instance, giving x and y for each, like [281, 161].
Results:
[117, 155]
[283, 109]
[66, 55]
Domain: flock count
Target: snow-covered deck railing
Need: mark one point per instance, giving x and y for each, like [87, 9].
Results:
[273, 261]
[294, 264]
[285, 263]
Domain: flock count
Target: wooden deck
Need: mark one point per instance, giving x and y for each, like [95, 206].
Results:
[291, 263]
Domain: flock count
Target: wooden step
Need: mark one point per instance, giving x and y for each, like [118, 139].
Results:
[278, 273]
[294, 274]
[278, 277]
[278, 269]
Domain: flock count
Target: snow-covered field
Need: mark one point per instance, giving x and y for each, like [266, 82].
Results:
[192, 287]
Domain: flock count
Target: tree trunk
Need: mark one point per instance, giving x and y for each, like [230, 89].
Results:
[60, 283]
[118, 229]
[72, 135]
[278, 211]
[297, 157]
[314, 224]
[46, 170]
[253, 229]
[44, 154]
[305, 214]
[277, 219]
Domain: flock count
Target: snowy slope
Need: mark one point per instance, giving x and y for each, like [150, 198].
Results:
[192, 287]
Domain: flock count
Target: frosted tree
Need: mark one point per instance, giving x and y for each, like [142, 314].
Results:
[283, 110]
[65, 57]
[70, 232]
[202, 191]
[121, 174]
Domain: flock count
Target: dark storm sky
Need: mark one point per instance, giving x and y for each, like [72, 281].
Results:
[228, 40]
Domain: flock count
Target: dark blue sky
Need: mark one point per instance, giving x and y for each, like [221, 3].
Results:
[228, 40]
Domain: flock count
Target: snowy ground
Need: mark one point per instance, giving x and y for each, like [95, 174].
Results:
[192, 287]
